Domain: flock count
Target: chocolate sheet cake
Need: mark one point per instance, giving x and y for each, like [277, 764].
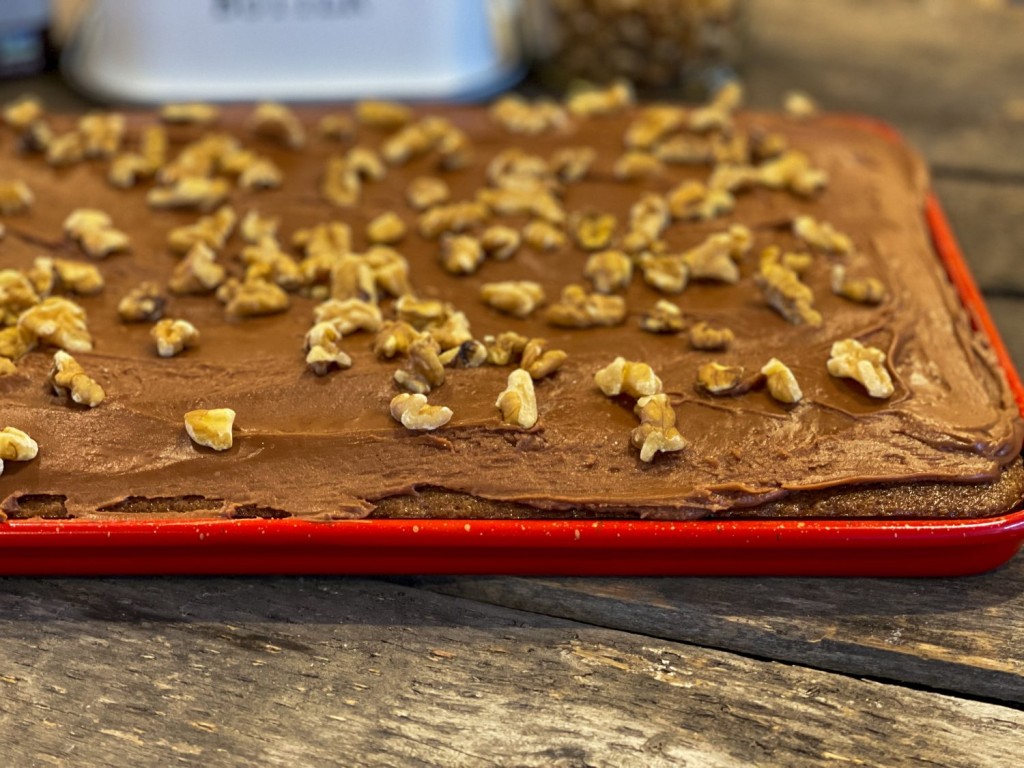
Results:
[717, 313]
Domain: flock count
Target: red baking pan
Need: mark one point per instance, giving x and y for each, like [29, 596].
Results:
[563, 547]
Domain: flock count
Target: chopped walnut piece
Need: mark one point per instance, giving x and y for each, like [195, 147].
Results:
[765, 145]
[609, 270]
[452, 217]
[717, 115]
[390, 270]
[102, 133]
[500, 242]
[143, 303]
[15, 197]
[518, 170]
[265, 260]
[732, 177]
[668, 272]
[786, 294]
[66, 149]
[16, 342]
[782, 384]
[255, 227]
[94, 231]
[17, 293]
[199, 158]
[59, 322]
[572, 164]
[349, 315]
[173, 336]
[340, 184]
[799, 105]
[731, 149]
[383, 115]
[129, 168]
[190, 113]
[543, 236]
[69, 379]
[425, 192]
[322, 348]
[37, 138]
[505, 347]
[211, 428]
[579, 309]
[648, 218]
[393, 338]
[623, 376]
[652, 124]
[663, 317]
[454, 150]
[195, 192]
[366, 163]
[821, 235]
[420, 313]
[425, 369]
[352, 278]
[707, 337]
[851, 359]
[469, 354]
[718, 379]
[212, 231]
[73, 276]
[16, 445]
[279, 123]
[452, 331]
[693, 200]
[866, 290]
[592, 230]
[714, 259]
[337, 126]
[517, 115]
[22, 112]
[793, 171]
[252, 298]
[634, 166]
[7, 368]
[685, 149]
[798, 262]
[461, 254]
[323, 245]
[518, 401]
[540, 361]
[514, 297]
[657, 432]
[414, 412]
[414, 140]
[387, 228]
[592, 102]
[261, 173]
[198, 272]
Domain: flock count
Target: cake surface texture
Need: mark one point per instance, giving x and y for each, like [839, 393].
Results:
[739, 252]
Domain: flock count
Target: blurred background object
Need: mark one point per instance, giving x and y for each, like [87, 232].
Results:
[23, 26]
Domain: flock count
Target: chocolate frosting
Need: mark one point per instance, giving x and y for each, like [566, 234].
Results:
[328, 447]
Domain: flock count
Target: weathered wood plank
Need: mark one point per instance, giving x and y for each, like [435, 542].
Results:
[958, 635]
[354, 672]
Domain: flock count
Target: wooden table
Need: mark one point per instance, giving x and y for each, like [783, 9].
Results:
[574, 672]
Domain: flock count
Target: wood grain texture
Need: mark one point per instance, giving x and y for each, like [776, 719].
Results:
[356, 672]
[959, 635]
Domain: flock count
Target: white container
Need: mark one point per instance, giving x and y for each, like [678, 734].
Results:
[240, 50]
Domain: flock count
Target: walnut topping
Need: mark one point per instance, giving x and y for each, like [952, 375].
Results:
[866, 290]
[657, 432]
[663, 317]
[733, 177]
[648, 218]
[16, 445]
[425, 369]
[505, 347]
[707, 337]
[68, 378]
[522, 202]
[454, 150]
[540, 361]
[601, 101]
[668, 272]
[469, 354]
[337, 126]
[718, 379]
[786, 294]
[350, 315]
[17, 293]
[414, 412]
[517, 170]
[196, 192]
[579, 309]
[572, 164]
[634, 165]
[798, 262]
[386, 228]
[173, 336]
[190, 113]
[652, 124]
[260, 173]
[198, 272]
[515, 297]
[15, 197]
[129, 168]
[452, 331]
[543, 236]
[265, 260]
[322, 348]
[199, 158]
[453, 217]
[16, 342]
[799, 105]
[851, 359]
[714, 259]
[341, 184]
[59, 322]
[500, 242]
[717, 115]
[821, 235]
[425, 192]
[323, 245]
[782, 384]
[22, 112]
[685, 149]
[366, 163]
[73, 276]
[212, 231]
[592, 230]
[415, 140]
[394, 338]
[421, 312]
[609, 270]
[390, 270]
[94, 231]
[517, 115]
[461, 254]
[692, 200]
[102, 133]
[352, 278]
[518, 401]
[624, 376]
[278, 123]
[765, 145]
[7, 368]
[384, 115]
[144, 303]
[211, 428]
[255, 227]
[252, 298]
[793, 171]
[66, 149]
